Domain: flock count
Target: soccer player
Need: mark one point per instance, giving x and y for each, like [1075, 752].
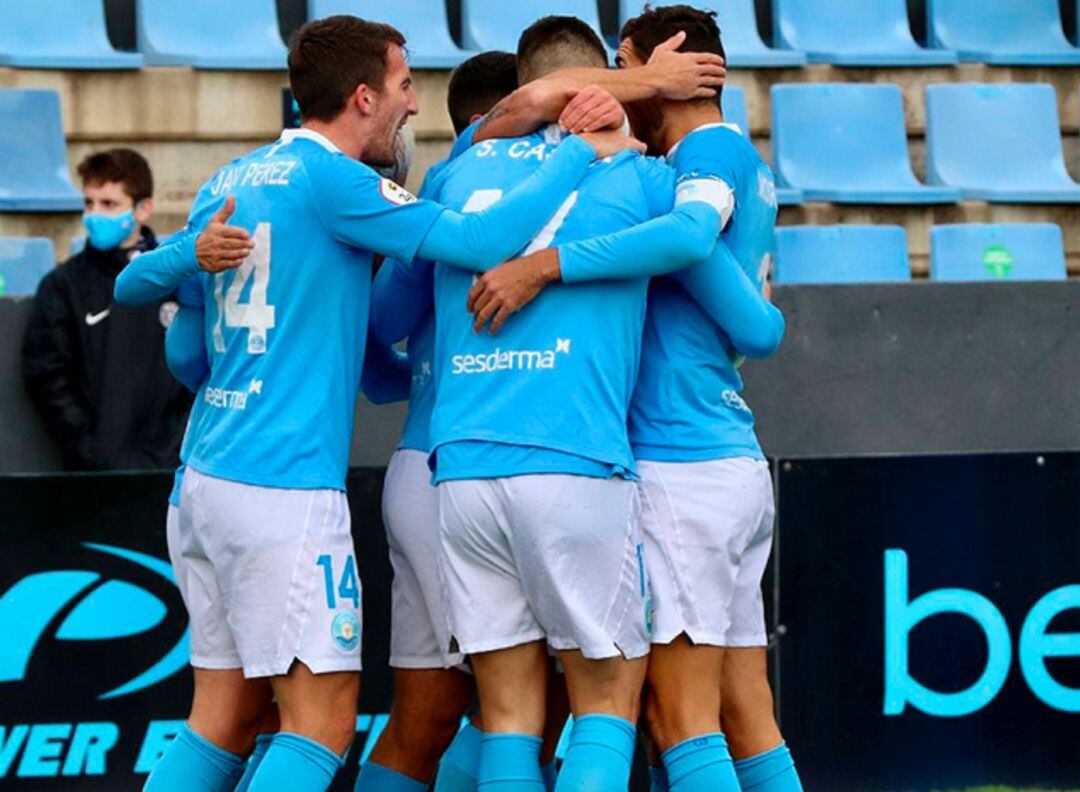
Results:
[264, 524]
[432, 691]
[533, 466]
[709, 506]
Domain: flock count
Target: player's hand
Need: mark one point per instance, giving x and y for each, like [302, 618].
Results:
[592, 109]
[686, 75]
[766, 290]
[610, 142]
[223, 247]
[504, 290]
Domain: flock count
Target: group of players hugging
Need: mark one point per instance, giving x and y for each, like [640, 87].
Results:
[579, 513]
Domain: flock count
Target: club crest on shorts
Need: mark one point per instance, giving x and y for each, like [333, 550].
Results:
[346, 631]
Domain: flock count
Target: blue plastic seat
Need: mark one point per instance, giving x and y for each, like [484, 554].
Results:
[59, 34]
[425, 25]
[23, 263]
[210, 34]
[847, 143]
[33, 154]
[1002, 32]
[853, 33]
[497, 24]
[841, 254]
[1011, 251]
[738, 29]
[998, 142]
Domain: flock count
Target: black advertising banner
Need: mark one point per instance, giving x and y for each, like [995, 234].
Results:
[94, 680]
[930, 614]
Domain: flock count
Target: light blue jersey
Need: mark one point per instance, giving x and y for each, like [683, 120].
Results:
[286, 331]
[688, 405]
[550, 392]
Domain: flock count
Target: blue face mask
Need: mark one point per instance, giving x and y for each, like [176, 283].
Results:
[106, 232]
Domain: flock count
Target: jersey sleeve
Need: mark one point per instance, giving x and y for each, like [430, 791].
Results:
[185, 347]
[190, 292]
[387, 376]
[363, 210]
[158, 273]
[707, 172]
[401, 295]
[480, 240]
[657, 180]
[720, 286]
[683, 237]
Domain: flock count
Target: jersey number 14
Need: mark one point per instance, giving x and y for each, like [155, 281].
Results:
[257, 315]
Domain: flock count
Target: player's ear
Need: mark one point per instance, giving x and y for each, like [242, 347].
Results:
[364, 99]
[143, 210]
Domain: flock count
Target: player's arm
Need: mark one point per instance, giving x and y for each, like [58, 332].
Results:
[399, 226]
[159, 273]
[669, 74]
[387, 376]
[185, 340]
[401, 295]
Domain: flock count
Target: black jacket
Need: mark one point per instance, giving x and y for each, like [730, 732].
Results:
[96, 371]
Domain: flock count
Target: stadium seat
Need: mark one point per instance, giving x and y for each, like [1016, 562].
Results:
[23, 263]
[847, 143]
[497, 24]
[33, 159]
[841, 254]
[734, 105]
[59, 34]
[738, 27]
[998, 142]
[1002, 32]
[210, 34]
[1012, 251]
[425, 25]
[846, 33]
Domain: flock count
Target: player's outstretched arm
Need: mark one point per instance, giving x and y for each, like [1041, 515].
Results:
[157, 274]
[720, 286]
[185, 340]
[480, 240]
[669, 74]
[401, 295]
[387, 376]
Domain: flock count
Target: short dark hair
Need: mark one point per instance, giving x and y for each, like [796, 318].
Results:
[329, 58]
[478, 84]
[657, 25]
[556, 42]
[121, 165]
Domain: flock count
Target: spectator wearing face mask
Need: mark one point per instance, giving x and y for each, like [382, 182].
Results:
[96, 371]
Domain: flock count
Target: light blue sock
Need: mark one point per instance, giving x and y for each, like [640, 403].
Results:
[701, 764]
[460, 763]
[193, 764]
[550, 772]
[296, 764]
[658, 777]
[772, 771]
[510, 762]
[599, 755]
[376, 778]
[262, 745]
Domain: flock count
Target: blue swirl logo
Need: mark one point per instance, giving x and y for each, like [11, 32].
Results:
[103, 609]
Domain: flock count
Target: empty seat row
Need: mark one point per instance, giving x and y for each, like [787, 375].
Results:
[879, 254]
[23, 263]
[847, 143]
[244, 34]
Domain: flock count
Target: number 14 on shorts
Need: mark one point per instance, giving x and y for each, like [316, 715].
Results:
[348, 588]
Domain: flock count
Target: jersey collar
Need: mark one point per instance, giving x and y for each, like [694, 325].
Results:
[289, 135]
[716, 125]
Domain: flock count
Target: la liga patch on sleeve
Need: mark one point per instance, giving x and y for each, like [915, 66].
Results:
[394, 193]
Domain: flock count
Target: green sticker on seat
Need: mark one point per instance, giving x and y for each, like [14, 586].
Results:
[3, 286]
[998, 261]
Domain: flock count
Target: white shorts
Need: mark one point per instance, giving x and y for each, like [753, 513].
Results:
[419, 633]
[708, 534]
[544, 556]
[268, 576]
